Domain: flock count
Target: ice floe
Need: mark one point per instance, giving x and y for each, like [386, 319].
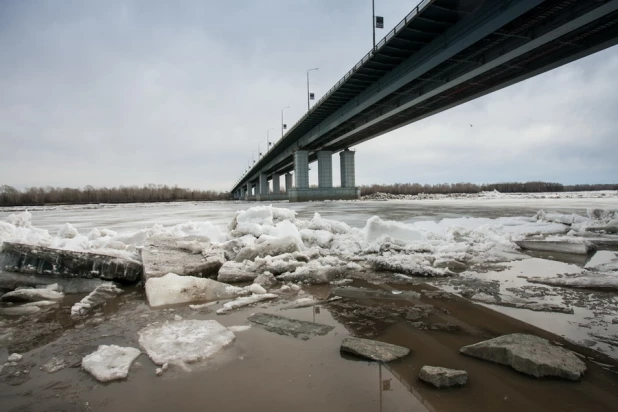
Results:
[184, 342]
[173, 289]
[110, 362]
[245, 301]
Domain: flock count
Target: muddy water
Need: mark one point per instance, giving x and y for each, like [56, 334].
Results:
[266, 371]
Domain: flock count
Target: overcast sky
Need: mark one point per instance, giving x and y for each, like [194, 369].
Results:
[126, 92]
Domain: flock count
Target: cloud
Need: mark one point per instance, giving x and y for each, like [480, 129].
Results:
[131, 92]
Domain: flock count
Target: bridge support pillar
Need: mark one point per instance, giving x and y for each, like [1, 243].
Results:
[261, 190]
[242, 193]
[325, 191]
[288, 182]
[325, 169]
[276, 183]
[348, 171]
[248, 191]
[301, 169]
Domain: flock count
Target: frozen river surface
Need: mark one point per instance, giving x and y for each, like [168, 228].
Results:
[132, 217]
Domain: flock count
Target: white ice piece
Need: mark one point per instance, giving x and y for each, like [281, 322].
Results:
[239, 328]
[256, 289]
[97, 297]
[172, 289]
[202, 306]
[377, 228]
[185, 341]
[245, 301]
[237, 271]
[407, 264]
[15, 357]
[110, 362]
[68, 231]
[606, 281]
[31, 295]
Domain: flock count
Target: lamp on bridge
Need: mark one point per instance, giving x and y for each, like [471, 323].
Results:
[268, 142]
[283, 125]
[310, 96]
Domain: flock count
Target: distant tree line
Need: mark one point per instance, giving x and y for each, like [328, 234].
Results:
[9, 196]
[506, 187]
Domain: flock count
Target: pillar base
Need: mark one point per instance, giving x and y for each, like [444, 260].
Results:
[270, 196]
[331, 193]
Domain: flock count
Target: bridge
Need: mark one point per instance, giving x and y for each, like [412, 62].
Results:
[442, 54]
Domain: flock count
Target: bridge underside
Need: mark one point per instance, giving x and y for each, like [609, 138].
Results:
[447, 54]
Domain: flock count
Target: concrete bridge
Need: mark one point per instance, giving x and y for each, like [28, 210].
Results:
[442, 54]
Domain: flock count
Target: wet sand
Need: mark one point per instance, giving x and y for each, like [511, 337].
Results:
[266, 371]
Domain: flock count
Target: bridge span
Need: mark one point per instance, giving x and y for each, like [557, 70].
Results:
[442, 54]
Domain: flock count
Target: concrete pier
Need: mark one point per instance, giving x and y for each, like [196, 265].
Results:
[297, 187]
[348, 171]
[276, 184]
[263, 184]
[325, 191]
[331, 193]
[325, 169]
[301, 169]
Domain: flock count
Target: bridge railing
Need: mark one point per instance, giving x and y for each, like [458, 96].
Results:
[421, 6]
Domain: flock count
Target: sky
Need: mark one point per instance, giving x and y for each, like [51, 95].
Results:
[121, 92]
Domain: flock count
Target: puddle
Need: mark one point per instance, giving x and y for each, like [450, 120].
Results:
[264, 370]
[593, 311]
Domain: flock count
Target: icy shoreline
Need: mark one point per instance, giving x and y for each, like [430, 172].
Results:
[269, 245]
[495, 195]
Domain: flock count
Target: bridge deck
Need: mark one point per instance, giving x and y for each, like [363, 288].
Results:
[441, 55]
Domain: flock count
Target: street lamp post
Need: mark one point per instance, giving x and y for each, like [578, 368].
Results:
[376, 22]
[308, 94]
[373, 22]
[283, 124]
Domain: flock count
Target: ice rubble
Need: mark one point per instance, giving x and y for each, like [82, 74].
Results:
[18, 228]
[318, 250]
